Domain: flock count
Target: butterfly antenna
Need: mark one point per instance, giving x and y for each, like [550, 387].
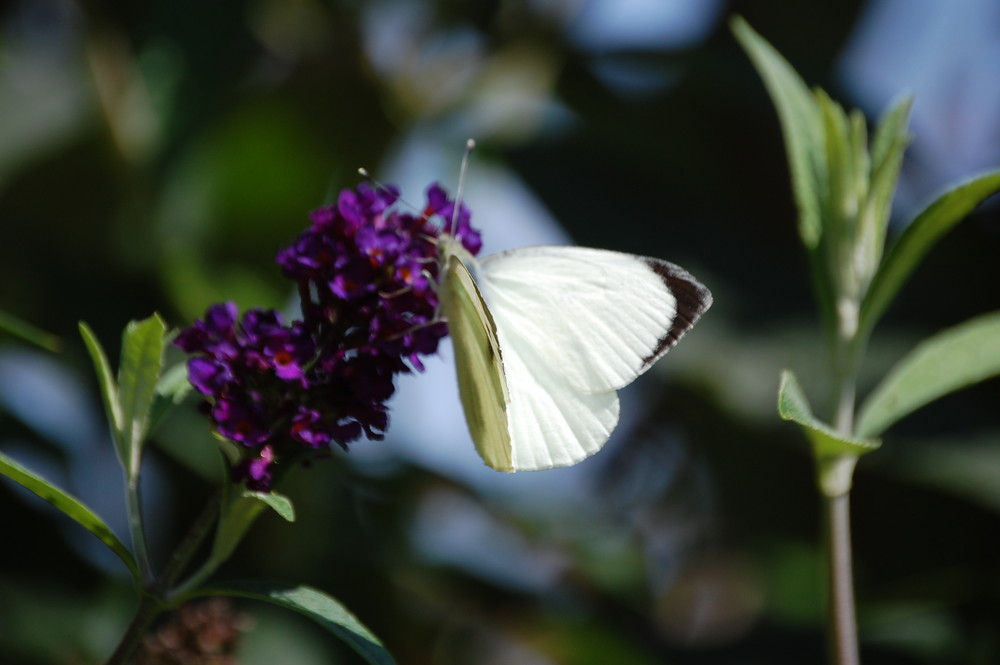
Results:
[469, 146]
[363, 172]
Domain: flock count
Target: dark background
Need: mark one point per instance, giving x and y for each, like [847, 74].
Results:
[155, 155]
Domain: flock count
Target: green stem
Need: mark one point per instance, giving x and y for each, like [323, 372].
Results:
[843, 624]
[149, 608]
[232, 525]
[845, 359]
[195, 580]
[844, 420]
[134, 508]
[195, 536]
[843, 629]
[152, 601]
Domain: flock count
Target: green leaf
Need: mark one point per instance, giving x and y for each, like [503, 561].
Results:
[835, 454]
[239, 511]
[171, 390]
[840, 166]
[318, 606]
[953, 359]
[890, 142]
[793, 406]
[280, 503]
[801, 125]
[69, 505]
[860, 161]
[237, 516]
[109, 389]
[28, 332]
[173, 385]
[891, 134]
[138, 376]
[904, 255]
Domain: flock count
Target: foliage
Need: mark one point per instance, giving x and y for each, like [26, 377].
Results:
[843, 190]
[129, 404]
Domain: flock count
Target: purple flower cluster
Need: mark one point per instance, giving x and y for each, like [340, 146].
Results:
[366, 274]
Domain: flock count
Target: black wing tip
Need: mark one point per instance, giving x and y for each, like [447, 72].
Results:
[693, 300]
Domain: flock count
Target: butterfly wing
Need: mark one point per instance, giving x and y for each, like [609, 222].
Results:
[572, 326]
[481, 381]
[550, 422]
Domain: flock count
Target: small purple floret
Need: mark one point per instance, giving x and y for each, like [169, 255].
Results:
[256, 471]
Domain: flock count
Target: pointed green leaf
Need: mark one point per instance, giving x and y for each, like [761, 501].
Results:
[138, 375]
[793, 406]
[27, 332]
[171, 390]
[109, 390]
[860, 162]
[240, 509]
[835, 454]
[891, 132]
[173, 385]
[801, 125]
[956, 358]
[888, 146]
[280, 503]
[318, 606]
[802, 128]
[840, 163]
[69, 505]
[904, 255]
[238, 513]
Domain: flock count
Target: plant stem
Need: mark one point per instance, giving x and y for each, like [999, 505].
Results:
[152, 600]
[842, 623]
[149, 608]
[134, 508]
[844, 421]
[186, 549]
[846, 358]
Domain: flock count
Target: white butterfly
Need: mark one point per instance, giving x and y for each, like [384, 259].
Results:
[544, 337]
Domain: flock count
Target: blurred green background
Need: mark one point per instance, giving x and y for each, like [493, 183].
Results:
[155, 155]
